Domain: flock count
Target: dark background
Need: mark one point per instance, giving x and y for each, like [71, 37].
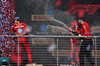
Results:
[25, 8]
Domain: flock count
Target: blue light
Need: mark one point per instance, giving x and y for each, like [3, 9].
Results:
[50, 11]
[19, 30]
[68, 58]
[43, 27]
[37, 32]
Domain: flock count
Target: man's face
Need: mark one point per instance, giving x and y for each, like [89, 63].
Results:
[80, 23]
[15, 21]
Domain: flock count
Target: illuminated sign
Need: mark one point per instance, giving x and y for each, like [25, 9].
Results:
[96, 29]
[42, 17]
[61, 53]
[57, 30]
[96, 52]
[43, 27]
[90, 9]
[67, 53]
[42, 40]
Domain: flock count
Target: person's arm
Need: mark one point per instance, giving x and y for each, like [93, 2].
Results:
[85, 29]
[27, 30]
[77, 33]
[72, 27]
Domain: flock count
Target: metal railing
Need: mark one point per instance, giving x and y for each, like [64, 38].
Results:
[58, 40]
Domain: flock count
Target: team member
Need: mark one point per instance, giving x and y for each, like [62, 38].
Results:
[20, 28]
[74, 43]
[86, 45]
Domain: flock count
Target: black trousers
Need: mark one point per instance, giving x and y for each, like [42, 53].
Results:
[85, 50]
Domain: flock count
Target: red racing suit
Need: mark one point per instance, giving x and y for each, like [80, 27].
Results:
[22, 29]
[74, 43]
[85, 30]
[85, 48]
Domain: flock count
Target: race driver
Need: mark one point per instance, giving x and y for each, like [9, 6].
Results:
[74, 44]
[20, 28]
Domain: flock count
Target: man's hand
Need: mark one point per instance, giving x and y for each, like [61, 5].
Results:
[70, 30]
[74, 32]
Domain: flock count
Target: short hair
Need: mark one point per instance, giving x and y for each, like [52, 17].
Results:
[83, 19]
[17, 18]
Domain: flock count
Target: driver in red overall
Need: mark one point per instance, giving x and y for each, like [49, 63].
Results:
[20, 28]
[74, 44]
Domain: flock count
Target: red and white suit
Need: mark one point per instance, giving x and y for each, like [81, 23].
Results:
[22, 29]
[74, 42]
